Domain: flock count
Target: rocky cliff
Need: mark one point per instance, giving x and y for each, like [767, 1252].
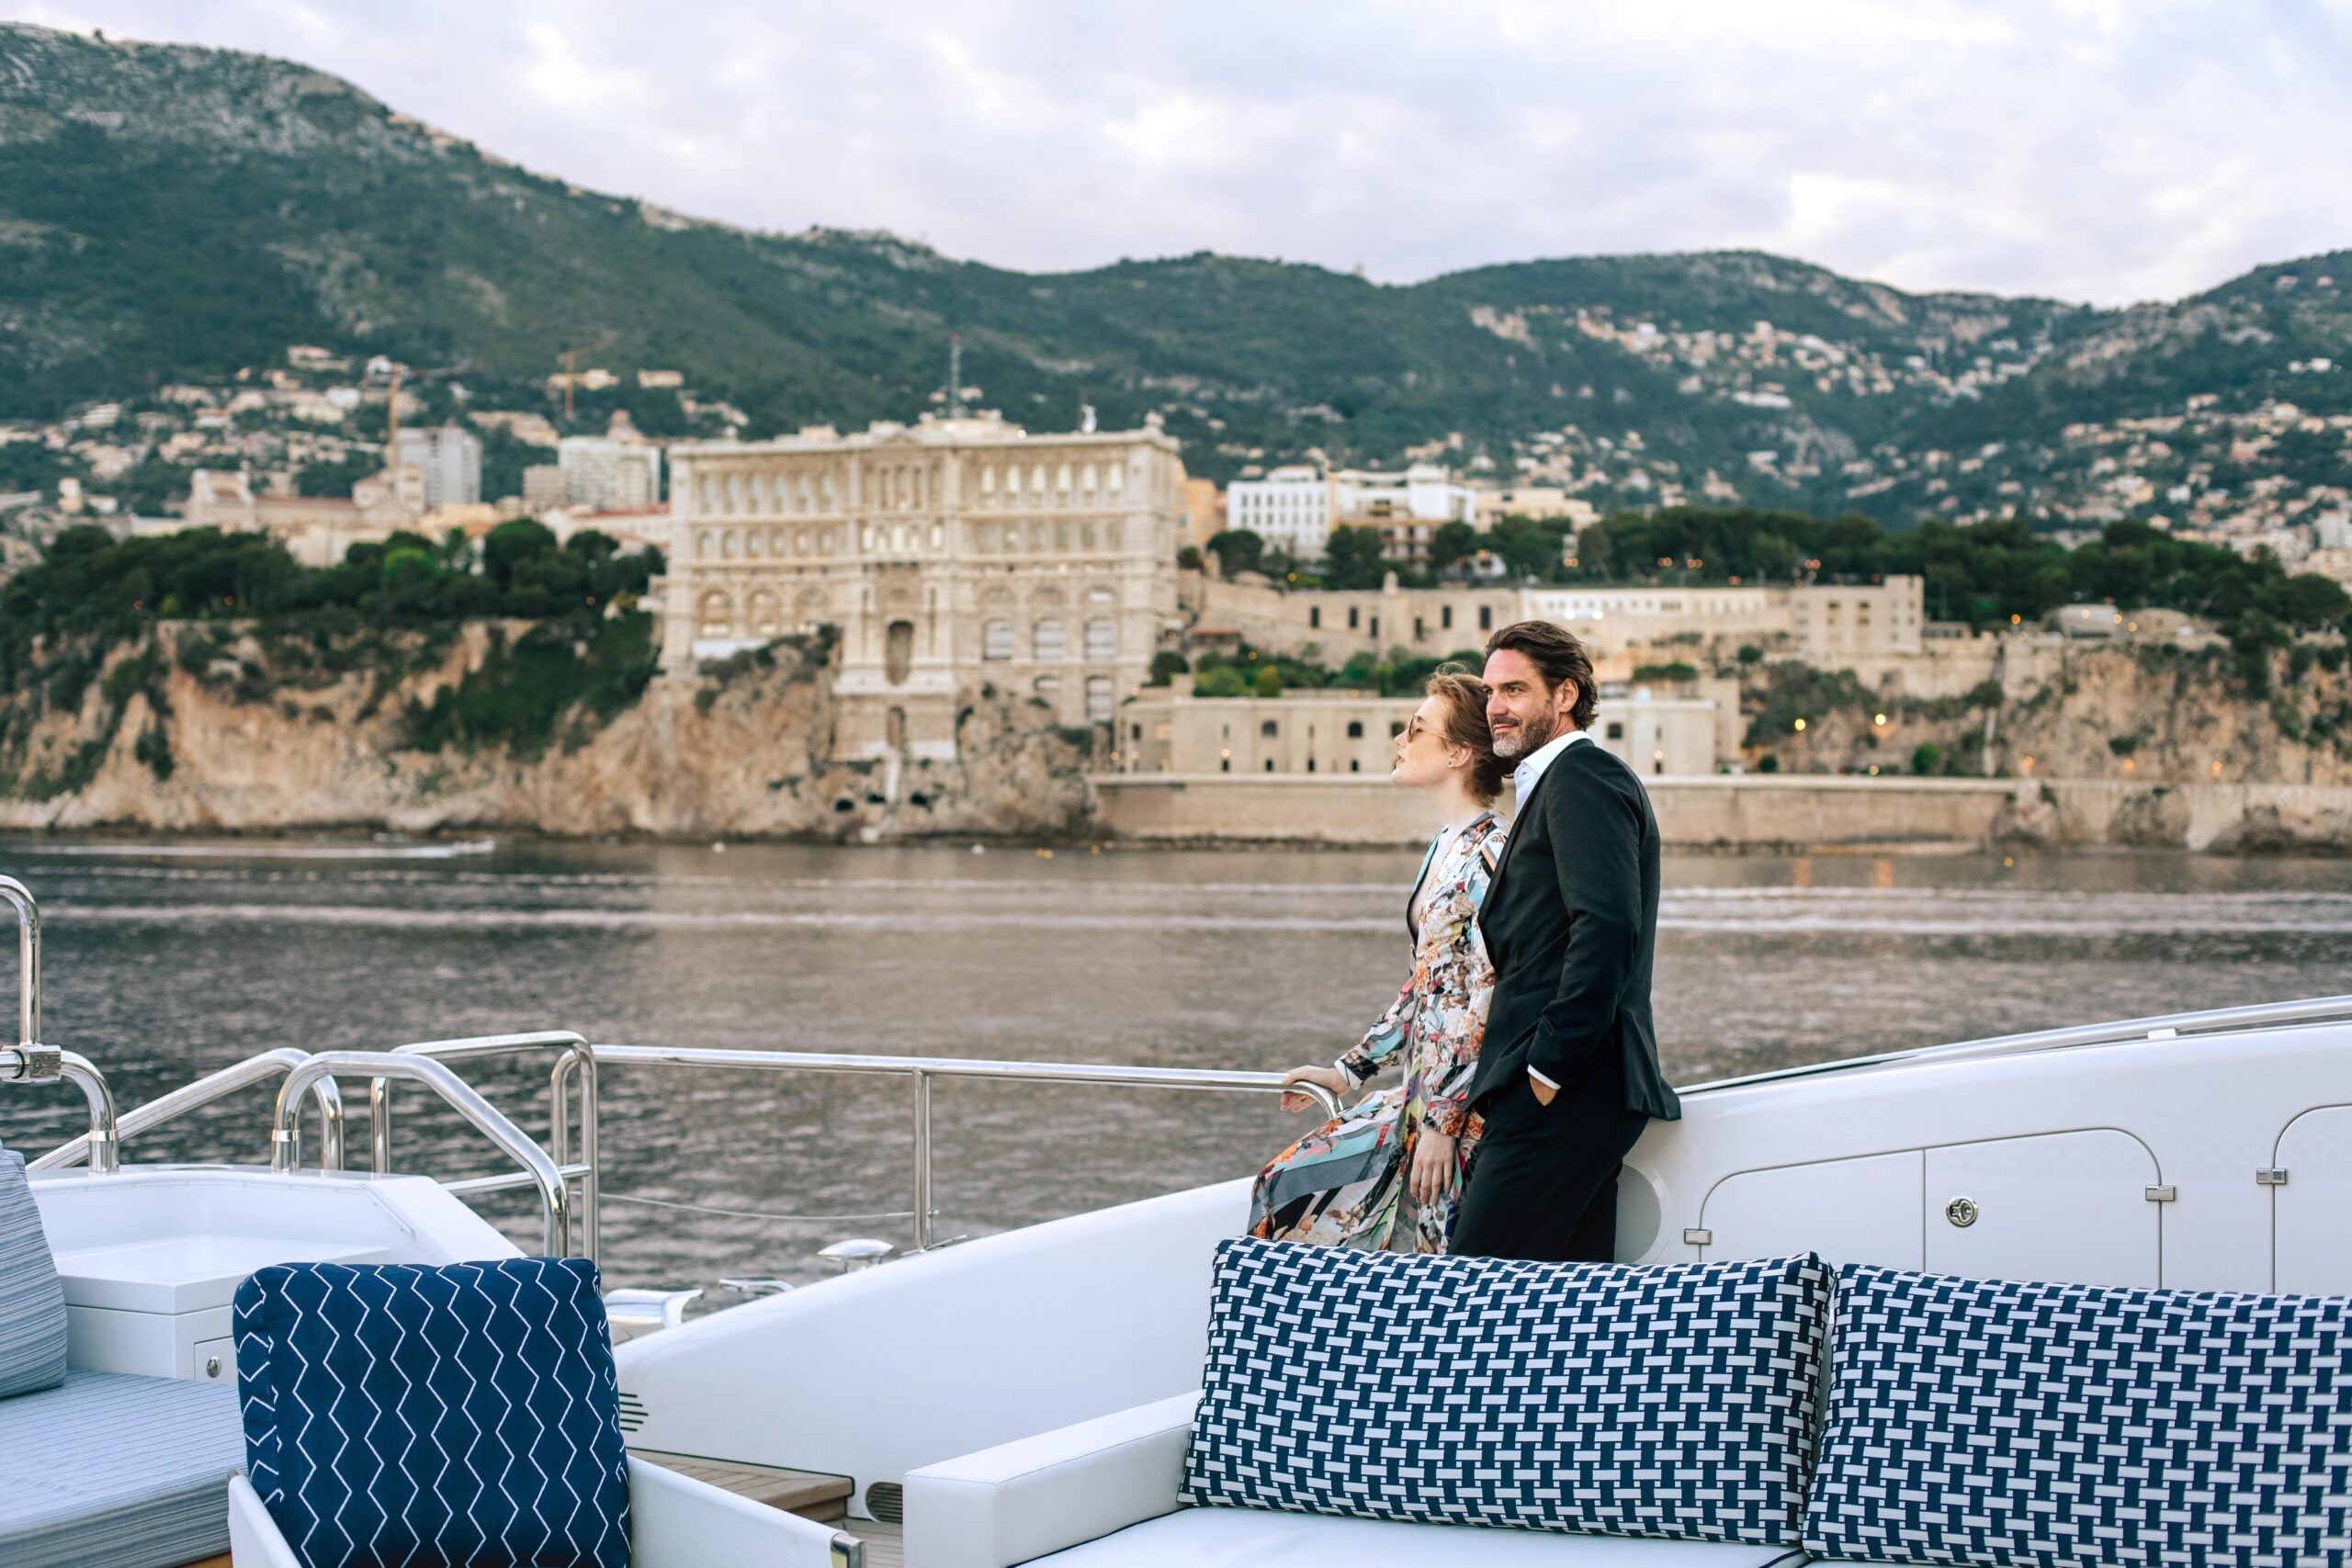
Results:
[2144, 713]
[201, 730]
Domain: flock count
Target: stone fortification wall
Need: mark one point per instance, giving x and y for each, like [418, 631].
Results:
[1720, 812]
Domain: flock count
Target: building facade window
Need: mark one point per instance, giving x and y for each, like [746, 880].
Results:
[1269, 729]
[1355, 730]
[1101, 639]
[1486, 617]
[1098, 699]
[996, 640]
[1048, 640]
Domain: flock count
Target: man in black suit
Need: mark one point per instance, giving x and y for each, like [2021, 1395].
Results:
[1568, 1072]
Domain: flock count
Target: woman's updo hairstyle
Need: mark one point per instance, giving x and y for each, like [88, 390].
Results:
[1465, 725]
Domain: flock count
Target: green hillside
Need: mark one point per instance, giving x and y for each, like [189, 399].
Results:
[170, 213]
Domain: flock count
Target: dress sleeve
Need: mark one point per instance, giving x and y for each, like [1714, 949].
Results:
[1460, 984]
[1380, 1042]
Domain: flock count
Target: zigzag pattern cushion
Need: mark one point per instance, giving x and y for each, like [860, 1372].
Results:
[2046, 1425]
[466, 1414]
[32, 1301]
[1560, 1397]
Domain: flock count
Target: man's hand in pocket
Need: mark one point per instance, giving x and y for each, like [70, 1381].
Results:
[1542, 1092]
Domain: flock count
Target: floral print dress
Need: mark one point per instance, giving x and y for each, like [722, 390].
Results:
[1344, 1184]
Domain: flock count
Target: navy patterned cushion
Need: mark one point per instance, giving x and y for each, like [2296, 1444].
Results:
[2002, 1424]
[32, 1301]
[461, 1414]
[1564, 1396]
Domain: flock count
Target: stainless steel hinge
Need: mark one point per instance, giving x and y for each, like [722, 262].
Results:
[1698, 1235]
[2273, 1176]
[2163, 1194]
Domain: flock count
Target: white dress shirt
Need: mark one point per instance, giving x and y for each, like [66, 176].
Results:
[1530, 768]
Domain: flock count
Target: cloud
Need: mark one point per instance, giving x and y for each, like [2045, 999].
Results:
[2104, 150]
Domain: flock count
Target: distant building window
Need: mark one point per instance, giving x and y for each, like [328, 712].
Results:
[1134, 732]
[1351, 618]
[996, 640]
[1269, 764]
[1101, 641]
[1486, 617]
[1394, 729]
[1098, 699]
[1116, 475]
[1270, 730]
[1355, 730]
[1375, 626]
[1354, 766]
[988, 481]
[1314, 615]
[1616, 732]
[1445, 618]
[1048, 641]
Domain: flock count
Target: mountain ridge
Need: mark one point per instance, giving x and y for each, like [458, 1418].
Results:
[174, 212]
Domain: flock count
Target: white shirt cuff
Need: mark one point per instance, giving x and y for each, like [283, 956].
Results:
[1346, 1071]
[1539, 1077]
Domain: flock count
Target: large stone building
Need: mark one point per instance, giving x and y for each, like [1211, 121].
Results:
[950, 554]
[1166, 729]
[315, 530]
[1833, 626]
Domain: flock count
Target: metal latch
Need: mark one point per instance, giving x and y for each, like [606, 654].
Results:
[2163, 1194]
[1698, 1235]
[2273, 1176]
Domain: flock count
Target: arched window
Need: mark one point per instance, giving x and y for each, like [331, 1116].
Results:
[1048, 641]
[1355, 730]
[898, 651]
[715, 614]
[766, 614]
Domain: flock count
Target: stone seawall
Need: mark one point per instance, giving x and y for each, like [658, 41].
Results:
[1764, 812]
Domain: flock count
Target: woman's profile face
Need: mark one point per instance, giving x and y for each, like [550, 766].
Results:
[1421, 748]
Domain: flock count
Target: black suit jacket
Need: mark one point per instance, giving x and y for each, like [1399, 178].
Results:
[1570, 921]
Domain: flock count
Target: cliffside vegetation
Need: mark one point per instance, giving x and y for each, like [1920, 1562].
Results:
[236, 612]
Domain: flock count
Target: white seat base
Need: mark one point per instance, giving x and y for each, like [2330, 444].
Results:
[1230, 1538]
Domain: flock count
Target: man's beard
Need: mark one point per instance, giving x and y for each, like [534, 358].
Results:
[1530, 738]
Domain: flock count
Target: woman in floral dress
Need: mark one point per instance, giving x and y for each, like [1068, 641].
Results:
[1385, 1174]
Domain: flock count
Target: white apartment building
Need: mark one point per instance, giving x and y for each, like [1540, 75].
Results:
[952, 555]
[449, 457]
[1290, 509]
[606, 473]
[1296, 507]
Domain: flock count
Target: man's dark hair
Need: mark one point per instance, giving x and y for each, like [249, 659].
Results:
[1557, 655]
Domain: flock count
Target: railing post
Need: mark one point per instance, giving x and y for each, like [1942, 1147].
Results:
[19, 898]
[379, 1126]
[922, 1159]
[560, 1137]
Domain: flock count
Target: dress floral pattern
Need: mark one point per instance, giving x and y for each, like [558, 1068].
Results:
[1344, 1183]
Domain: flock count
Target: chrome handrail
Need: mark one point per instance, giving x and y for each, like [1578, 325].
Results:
[923, 1069]
[102, 1144]
[2122, 1031]
[212, 1087]
[577, 1055]
[285, 1153]
[19, 898]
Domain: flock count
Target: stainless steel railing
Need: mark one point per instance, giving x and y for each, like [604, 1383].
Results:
[576, 1057]
[479, 1113]
[30, 1061]
[214, 1085]
[923, 1070]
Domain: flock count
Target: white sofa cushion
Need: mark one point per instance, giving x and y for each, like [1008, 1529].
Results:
[1231, 1538]
[1589, 1398]
[2018, 1424]
[1024, 1499]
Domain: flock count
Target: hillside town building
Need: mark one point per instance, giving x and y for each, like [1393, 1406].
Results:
[316, 530]
[1832, 625]
[952, 555]
[449, 457]
[1166, 729]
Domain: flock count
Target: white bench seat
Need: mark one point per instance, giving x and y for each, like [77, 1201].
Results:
[1231, 1538]
[1103, 1494]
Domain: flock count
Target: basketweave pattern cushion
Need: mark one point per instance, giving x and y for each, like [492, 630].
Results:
[32, 1301]
[469, 1413]
[1593, 1398]
[2007, 1425]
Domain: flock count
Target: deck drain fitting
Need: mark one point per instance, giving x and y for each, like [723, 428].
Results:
[887, 1501]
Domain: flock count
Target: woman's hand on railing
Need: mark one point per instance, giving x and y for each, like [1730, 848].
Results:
[1325, 1077]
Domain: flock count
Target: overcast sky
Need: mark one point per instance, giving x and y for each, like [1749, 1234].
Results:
[2100, 150]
